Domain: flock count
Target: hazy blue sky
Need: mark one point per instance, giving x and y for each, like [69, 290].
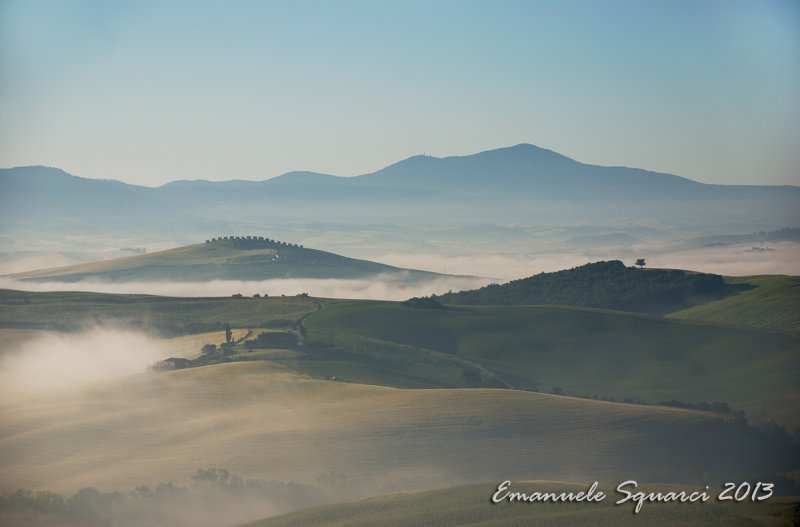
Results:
[148, 92]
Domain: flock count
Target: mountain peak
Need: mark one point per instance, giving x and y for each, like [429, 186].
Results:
[35, 172]
[524, 151]
[515, 165]
[304, 177]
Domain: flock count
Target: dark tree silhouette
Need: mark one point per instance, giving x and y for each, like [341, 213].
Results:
[228, 334]
[640, 262]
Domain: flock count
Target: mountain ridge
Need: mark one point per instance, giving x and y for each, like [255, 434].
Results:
[520, 185]
[517, 151]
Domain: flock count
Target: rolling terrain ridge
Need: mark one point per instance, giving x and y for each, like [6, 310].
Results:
[250, 258]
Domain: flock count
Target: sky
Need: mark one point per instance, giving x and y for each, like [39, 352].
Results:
[148, 92]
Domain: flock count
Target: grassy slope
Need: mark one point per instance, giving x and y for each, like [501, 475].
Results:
[74, 310]
[773, 304]
[259, 420]
[583, 351]
[217, 260]
[468, 505]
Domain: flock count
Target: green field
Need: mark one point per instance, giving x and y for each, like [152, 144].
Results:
[773, 304]
[468, 505]
[70, 311]
[582, 351]
[770, 302]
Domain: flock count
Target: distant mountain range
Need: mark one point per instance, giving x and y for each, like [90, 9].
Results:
[519, 185]
[247, 258]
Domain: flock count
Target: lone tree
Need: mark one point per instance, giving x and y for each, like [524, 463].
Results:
[640, 262]
[228, 334]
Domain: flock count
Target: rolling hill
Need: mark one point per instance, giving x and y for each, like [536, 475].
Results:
[228, 258]
[768, 302]
[577, 351]
[609, 285]
[467, 505]
[773, 303]
[171, 316]
[334, 417]
[261, 420]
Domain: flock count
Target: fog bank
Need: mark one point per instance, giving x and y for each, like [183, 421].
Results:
[730, 260]
[382, 287]
[66, 360]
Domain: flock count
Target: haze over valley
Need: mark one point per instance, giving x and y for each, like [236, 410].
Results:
[441, 370]
[501, 214]
[271, 264]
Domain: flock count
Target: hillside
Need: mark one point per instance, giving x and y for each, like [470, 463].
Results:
[74, 311]
[228, 258]
[773, 303]
[260, 420]
[609, 285]
[329, 416]
[582, 352]
[467, 505]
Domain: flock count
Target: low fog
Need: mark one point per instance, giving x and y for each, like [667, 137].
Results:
[382, 287]
[738, 260]
[57, 361]
[81, 411]
[35, 261]
[474, 269]
[732, 260]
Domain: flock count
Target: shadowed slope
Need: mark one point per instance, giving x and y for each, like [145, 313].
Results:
[774, 303]
[260, 421]
[468, 505]
[583, 351]
[609, 285]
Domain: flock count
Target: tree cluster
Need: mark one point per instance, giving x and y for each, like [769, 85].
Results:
[273, 339]
[424, 302]
[609, 285]
[253, 242]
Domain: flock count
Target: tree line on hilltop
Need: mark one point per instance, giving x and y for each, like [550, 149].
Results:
[254, 242]
[608, 285]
